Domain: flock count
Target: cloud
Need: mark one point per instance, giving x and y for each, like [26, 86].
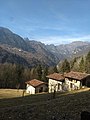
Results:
[56, 40]
[80, 38]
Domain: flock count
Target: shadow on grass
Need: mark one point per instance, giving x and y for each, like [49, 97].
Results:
[43, 107]
[37, 98]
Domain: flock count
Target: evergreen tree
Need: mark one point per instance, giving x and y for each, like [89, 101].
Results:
[73, 63]
[33, 74]
[44, 74]
[27, 74]
[55, 69]
[65, 67]
[39, 72]
[19, 75]
[87, 64]
[82, 65]
[52, 69]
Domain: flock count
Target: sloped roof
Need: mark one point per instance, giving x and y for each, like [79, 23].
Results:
[56, 76]
[76, 75]
[35, 82]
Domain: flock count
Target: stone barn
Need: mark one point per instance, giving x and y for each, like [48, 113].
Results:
[35, 86]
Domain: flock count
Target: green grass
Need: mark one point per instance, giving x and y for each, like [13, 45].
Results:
[43, 107]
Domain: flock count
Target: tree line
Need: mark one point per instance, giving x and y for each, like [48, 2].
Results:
[15, 75]
[79, 64]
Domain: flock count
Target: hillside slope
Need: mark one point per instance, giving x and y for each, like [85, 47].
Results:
[38, 53]
[73, 49]
[7, 57]
[34, 52]
[42, 107]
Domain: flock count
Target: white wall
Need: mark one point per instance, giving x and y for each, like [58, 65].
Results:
[52, 83]
[30, 89]
[75, 84]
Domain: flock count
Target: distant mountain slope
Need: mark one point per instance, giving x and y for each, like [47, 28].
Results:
[14, 40]
[76, 48]
[34, 52]
[7, 57]
[42, 53]
[38, 53]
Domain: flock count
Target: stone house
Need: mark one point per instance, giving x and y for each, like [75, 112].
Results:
[55, 82]
[68, 81]
[76, 80]
[35, 86]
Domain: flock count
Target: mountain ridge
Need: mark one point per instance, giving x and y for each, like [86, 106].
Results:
[35, 52]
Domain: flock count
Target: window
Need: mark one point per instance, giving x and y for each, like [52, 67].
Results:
[71, 85]
[75, 81]
[59, 86]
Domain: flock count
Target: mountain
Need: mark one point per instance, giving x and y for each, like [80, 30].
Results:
[33, 53]
[13, 40]
[42, 53]
[73, 49]
[7, 57]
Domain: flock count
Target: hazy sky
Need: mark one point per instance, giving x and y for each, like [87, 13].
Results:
[48, 21]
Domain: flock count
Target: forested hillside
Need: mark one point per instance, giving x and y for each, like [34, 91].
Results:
[81, 64]
[14, 76]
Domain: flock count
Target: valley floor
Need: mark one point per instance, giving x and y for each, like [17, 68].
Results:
[67, 106]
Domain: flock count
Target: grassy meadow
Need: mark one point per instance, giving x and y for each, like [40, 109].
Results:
[66, 106]
[10, 93]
